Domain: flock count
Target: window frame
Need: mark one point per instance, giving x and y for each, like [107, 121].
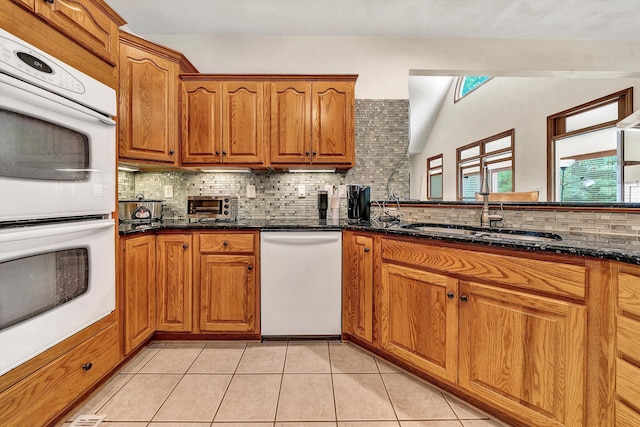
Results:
[429, 175]
[556, 125]
[460, 82]
[483, 155]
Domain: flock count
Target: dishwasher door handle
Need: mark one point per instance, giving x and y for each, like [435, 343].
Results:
[283, 239]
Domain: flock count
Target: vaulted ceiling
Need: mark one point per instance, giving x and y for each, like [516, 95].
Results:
[487, 19]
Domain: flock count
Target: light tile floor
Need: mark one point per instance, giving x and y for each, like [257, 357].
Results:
[274, 384]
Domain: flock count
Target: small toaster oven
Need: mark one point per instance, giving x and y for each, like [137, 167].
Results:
[221, 208]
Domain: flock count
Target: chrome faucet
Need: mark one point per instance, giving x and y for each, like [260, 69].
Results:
[486, 218]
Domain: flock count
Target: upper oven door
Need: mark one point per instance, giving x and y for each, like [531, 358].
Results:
[57, 158]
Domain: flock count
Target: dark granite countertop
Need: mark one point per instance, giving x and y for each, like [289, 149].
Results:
[612, 247]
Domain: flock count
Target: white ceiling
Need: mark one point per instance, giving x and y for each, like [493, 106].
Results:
[486, 19]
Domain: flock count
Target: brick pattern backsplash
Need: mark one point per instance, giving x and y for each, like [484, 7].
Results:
[382, 138]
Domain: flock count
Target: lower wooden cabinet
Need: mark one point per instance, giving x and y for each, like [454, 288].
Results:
[523, 353]
[227, 293]
[40, 398]
[419, 319]
[138, 289]
[226, 285]
[627, 390]
[357, 295]
[174, 281]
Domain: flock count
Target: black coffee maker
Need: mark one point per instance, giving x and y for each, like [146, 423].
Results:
[358, 202]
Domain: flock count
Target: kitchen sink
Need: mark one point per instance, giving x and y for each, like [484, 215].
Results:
[482, 233]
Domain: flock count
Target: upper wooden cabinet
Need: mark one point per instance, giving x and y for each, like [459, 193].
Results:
[312, 122]
[260, 121]
[223, 122]
[90, 23]
[148, 101]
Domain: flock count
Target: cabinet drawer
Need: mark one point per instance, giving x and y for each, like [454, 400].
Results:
[628, 382]
[227, 243]
[629, 293]
[48, 391]
[629, 337]
[625, 416]
[544, 276]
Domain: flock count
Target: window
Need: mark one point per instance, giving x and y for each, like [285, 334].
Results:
[434, 177]
[467, 84]
[494, 152]
[583, 152]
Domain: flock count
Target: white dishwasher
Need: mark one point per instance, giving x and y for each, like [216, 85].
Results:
[300, 283]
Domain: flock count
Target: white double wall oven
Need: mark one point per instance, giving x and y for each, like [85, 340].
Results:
[57, 195]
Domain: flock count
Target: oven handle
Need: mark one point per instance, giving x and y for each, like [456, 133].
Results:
[37, 231]
[41, 93]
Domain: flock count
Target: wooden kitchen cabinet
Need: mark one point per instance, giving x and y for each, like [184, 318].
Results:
[223, 122]
[148, 115]
[357, 299]
[227, 288]
[523, 353]
[313, 122]
[419, 319]
[139, 289]
[90, 23]
[174, 282]
[627, 402]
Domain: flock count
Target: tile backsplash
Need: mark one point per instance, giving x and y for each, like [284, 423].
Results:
[382, 138]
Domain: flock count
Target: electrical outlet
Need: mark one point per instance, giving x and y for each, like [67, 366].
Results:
[329, 189]
[251, 191]
[342, 190]
[168, 191]
[301, 190]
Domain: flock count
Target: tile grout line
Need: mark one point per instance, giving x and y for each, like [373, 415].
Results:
[175, 386]
[333, 388]
[233, 374]
[387, 391]
[284, 363]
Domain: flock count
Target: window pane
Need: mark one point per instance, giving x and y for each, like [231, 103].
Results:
[498, 144]
[435, 187]
[631, 183]
[470, 152]
[470, 83]
[435, 162]
[606, 113]
[632, 146]
[592, 142]
[589, 180]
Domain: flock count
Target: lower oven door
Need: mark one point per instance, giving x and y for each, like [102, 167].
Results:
[54, 281]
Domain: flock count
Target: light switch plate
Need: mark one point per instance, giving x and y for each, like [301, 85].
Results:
[301, 190]
[251, 191]
[342, 190]
[168, 191]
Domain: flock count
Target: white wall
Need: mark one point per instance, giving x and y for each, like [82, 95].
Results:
[520, 103]
[384, 63]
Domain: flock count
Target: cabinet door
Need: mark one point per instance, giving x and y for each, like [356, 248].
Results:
[228, 294]
[523, 353]
[175, 303]
[139, 283]
[201, 122]
[147, 114]
[358, 287]
[333, 113]
[85, 23]
[418, 319]
[290, 122]
[244, 125]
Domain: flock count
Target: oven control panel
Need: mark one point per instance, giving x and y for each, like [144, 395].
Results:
[17, 60]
